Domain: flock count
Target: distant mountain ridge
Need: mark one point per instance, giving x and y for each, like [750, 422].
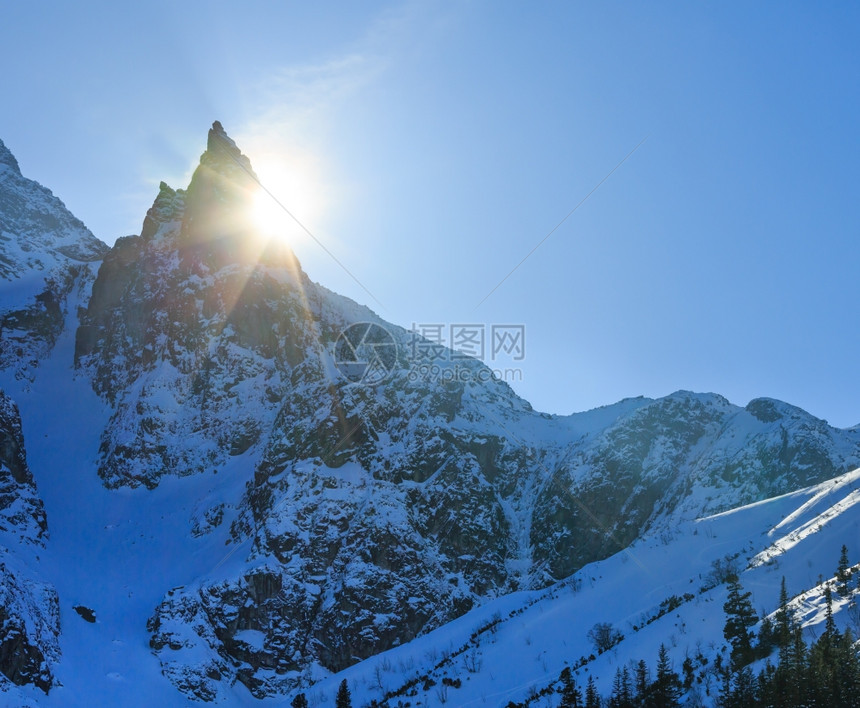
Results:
[357, 517]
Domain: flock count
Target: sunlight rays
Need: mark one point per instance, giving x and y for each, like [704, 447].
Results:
[294, 177]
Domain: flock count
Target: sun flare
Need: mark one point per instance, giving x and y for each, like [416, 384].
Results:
[292, 193]
[268, 215]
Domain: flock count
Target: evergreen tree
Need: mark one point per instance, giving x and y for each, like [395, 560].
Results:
[740, 617]
[344, 699]
[846, 671]
[826, 675]
[843, 575]
[642, 681]
[592, 697]
[724, 675]
[784, 619]
[831, 635]
[622, 691]
[299, 701]
[744, 691]
[788, 678]
[819, 684]
[666, 689]
[766, 638]
[822, 659]
[788, 686]
[627, 690]
[571, 697]
[796, 669]
[766, 688]
[615, 696]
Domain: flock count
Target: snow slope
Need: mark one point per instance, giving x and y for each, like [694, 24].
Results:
[113, 551]
[534, 635]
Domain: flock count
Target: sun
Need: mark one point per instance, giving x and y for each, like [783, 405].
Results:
[268, 215]
[291, 196]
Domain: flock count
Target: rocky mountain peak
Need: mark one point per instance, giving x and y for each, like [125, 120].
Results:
[7, 158]
[220, 200]
[222, 149]
[168, 206]
[45, 254]
[223, 168]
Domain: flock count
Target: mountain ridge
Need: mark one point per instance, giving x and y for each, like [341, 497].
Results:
[334, 520]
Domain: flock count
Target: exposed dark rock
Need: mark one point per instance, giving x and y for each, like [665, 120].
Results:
[86, 613]
[29, 630]
[22, 514]
[28, 335]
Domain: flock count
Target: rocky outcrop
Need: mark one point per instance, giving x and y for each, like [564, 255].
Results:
[682, 456]
[37, 232]
[22, 514]
[29, 610]
[45, 258]
[29, 333]
[29, 631]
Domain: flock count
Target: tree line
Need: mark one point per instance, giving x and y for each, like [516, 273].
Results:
[824, 673]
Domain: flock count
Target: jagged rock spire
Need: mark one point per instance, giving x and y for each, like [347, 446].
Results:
[222, 149]
[221, 193]
[224, 156]
[212, 221]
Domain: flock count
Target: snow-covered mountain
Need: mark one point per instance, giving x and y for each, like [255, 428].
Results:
[242, 520]
[44, 253]
[665, 588]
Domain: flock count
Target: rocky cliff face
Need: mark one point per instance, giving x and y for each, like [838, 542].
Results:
[682, 456]
[29, 610]
[21, 510]
[38, 232]
[29, 638]
[359, 545]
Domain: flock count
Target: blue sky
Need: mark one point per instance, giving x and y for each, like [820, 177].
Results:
[432, 145]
